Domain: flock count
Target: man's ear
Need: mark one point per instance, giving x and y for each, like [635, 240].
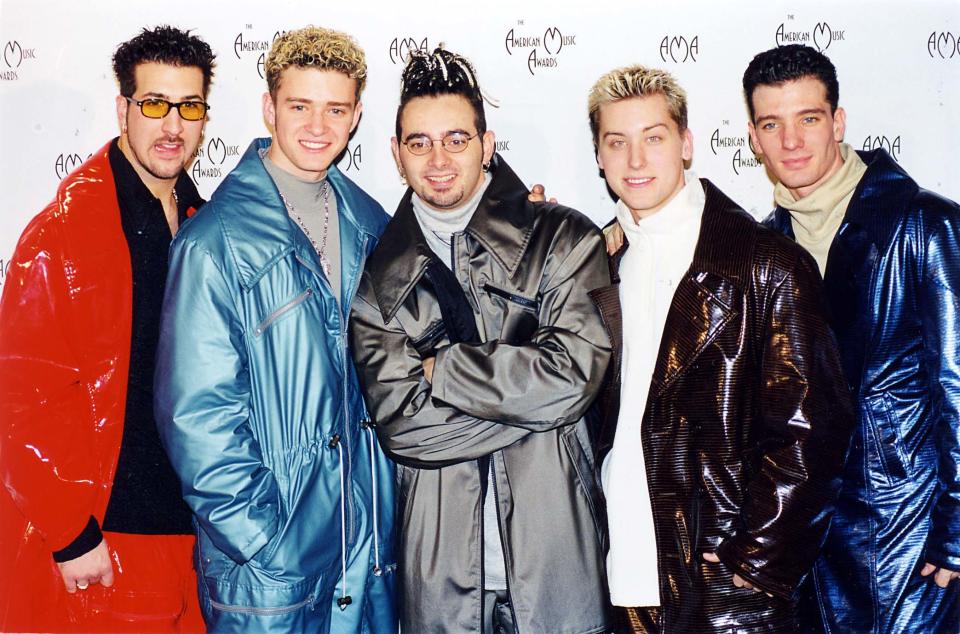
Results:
[122, 106]
[269, 112]
[687, 145]
[839, 124]
[356, 116]
[489, 146]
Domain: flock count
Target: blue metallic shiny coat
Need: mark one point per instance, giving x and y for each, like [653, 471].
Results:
[893, 286]
[259, 408]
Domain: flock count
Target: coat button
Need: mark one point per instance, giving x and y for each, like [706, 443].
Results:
[334, 441]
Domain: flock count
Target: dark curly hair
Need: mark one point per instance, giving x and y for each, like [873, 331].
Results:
[166, 45]
[441, 73]
[788, 63]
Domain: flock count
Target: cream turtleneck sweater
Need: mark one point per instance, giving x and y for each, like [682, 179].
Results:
[816, 217]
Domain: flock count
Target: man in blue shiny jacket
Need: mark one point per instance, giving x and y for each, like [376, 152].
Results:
[888, 253]
[257, 398]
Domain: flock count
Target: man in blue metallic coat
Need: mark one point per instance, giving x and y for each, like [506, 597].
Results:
[257, 399]
[888, 252]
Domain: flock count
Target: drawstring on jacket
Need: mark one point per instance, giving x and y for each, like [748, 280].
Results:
[344, 599]
[373, 476]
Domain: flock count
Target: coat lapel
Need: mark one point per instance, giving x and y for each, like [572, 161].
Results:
[707, 298]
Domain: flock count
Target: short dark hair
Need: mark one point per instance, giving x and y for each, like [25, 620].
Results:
[166, 45]
[789, 63]
[441, 73]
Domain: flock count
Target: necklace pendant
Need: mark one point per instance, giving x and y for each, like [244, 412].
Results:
[325, 265]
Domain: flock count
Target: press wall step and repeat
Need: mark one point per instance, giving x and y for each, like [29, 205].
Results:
[898, 62]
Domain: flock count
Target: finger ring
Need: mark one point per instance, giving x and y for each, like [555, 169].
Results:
[82, 585]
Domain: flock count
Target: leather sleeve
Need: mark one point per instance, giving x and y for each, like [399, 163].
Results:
[202, 407]
[414, 429]
[47, 418]
[550, 380]
[940, 312]
[805, 422]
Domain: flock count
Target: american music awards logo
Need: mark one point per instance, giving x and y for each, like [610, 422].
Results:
[737, 147]
[211, 157]
[254, 48]
[4, 269]
[14, 55]
[892, 146]
[351, 158]
[544, 47]
[401, 47]
[821, 36]
[943, 44]
[66, 162]
[679, 48]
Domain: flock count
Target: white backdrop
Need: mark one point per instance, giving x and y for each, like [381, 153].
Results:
[898, 62]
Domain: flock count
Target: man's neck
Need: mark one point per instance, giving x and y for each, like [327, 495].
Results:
[161, 188]
[280, 160]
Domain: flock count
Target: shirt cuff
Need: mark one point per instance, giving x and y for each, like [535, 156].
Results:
[88, 539]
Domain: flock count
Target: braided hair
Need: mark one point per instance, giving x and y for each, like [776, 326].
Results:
[441, 73]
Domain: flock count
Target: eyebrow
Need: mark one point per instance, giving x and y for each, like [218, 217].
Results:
[646, 129]
[414, 135]
[160, 95]
[805, 111]
[342, 104]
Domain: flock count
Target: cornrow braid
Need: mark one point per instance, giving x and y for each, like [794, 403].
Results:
[442, 73]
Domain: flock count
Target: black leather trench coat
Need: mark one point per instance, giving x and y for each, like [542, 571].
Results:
[746, 427]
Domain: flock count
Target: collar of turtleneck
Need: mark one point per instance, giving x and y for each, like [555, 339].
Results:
[683, 208]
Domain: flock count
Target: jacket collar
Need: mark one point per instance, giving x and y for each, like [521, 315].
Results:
[724, 224]
[703, 301]
[256, 223]
[885, 185]
[502, 224]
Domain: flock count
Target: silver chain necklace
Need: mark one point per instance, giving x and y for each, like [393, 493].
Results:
[322, 247]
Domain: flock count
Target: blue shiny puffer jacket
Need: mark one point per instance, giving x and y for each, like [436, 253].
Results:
[260, 411]
[893, 286]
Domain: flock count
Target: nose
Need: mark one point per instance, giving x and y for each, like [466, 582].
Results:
[792, 137]
[172, 123]
[317, 124]
[438, 157]
[636, 158]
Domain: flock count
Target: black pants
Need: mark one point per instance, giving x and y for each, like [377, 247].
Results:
[497, 613]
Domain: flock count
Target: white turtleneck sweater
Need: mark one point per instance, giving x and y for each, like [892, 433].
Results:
[660, 253]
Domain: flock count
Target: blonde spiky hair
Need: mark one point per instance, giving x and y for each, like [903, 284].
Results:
[315, 47]
[636, 81]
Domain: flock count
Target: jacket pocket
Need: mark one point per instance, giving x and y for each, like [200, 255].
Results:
[282, 311]
[583, 465]
[885, 429]
[520, 300]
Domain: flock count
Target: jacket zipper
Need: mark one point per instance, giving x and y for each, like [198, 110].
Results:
[283, 310]
[345, 368]
[526, 302]
[261, 611]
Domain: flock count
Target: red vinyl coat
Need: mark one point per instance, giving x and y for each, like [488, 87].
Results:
[65, 320]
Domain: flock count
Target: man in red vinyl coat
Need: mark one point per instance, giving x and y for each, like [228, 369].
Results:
[95, 535]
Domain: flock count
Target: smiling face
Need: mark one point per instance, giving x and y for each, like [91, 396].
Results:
[795, 132]
[312, 115]
[641, 151]
[444, 180]
[158, 149]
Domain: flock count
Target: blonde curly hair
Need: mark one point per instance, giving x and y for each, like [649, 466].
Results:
[315, 47]
[636, 81]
